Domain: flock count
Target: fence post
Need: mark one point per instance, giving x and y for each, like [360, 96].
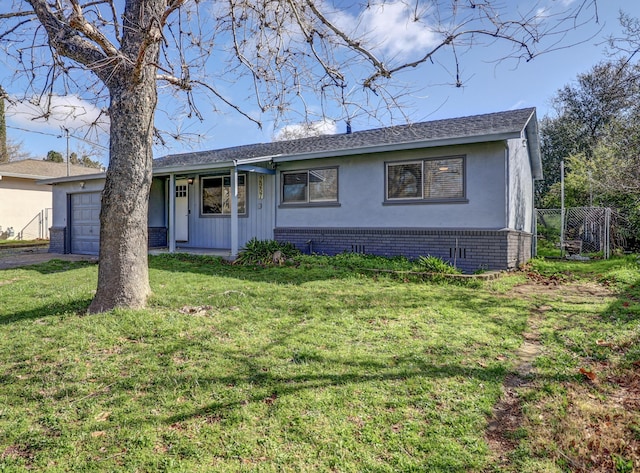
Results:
[534, 245]
[607, 232]
[46, 224]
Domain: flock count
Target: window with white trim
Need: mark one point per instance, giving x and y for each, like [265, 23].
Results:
[426, 179]
[310, 186]
[216, 195]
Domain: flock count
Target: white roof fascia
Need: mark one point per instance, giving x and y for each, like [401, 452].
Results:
[75, 178]
[259, 159]
[186, 168]
[533, 141]
[21, 176]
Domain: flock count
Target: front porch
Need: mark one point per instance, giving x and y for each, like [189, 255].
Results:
[215, 209]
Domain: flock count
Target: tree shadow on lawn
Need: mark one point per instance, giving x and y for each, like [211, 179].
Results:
[78, 306]
[267, 387]
[56, 266]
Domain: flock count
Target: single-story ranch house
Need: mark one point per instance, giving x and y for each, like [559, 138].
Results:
[460, 189]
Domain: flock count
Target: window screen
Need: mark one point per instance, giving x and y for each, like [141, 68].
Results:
[429, 179]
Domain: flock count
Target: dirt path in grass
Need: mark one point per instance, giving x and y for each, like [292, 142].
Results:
[507, 413]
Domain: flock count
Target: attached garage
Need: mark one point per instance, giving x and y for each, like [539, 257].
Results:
[84, 226]
[76, 214]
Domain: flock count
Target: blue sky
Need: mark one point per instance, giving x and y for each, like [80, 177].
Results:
[488, 87]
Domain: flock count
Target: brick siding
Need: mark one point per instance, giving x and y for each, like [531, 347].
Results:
[469, 250]
[57, 240]
[157, 237]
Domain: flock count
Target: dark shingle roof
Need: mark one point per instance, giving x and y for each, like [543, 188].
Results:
[38, 169]
[477, 128]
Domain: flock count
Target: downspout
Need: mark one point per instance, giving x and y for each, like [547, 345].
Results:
[172, 213]
[234, 210]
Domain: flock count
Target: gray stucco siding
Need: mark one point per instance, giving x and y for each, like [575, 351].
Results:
[157, 207]
[60, 197]
[61, 191]
[361, 181]
[520, 188]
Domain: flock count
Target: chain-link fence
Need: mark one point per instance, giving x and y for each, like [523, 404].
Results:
[573, 231]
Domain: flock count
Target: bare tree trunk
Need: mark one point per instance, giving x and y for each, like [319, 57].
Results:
[123, 275]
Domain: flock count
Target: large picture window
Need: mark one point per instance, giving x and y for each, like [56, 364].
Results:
[427, 179]
[310, 186]
[216, 195]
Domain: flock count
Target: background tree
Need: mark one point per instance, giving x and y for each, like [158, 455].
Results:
[596, 130]
[84, 160]
[16, 151]
[87, 162]
[293, 52]
[600, 108]
[54, 156]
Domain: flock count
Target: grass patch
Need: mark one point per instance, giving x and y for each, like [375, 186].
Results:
[583, 412]
[313, 366]
[20, 243]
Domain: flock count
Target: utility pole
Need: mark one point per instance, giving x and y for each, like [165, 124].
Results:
[4, 154]
[66, 130]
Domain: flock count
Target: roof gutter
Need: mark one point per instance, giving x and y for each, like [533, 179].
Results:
[76, 178]
[166, 170]
[22, 176]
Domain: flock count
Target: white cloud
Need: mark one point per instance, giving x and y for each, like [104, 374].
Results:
[391, 28]
[56, 113]
[305, 130]
[518, 104]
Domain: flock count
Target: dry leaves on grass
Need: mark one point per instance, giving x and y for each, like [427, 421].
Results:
[195, 310]
[590, 375]
[103, 416]
[598, 432]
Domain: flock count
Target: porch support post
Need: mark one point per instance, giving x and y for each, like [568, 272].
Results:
[172, 213]
[234, 212]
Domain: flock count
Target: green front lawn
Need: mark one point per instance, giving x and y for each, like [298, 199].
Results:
[294, 368]
[19, 243]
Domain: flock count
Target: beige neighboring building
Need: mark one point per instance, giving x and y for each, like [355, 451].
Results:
[25, 207]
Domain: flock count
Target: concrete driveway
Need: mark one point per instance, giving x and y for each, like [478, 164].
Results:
[17, 257]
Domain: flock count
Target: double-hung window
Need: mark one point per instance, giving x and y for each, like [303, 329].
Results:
[439, 179]
[310, 186]
[216, 195]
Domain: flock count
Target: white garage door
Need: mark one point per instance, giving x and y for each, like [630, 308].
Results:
[85, 223]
